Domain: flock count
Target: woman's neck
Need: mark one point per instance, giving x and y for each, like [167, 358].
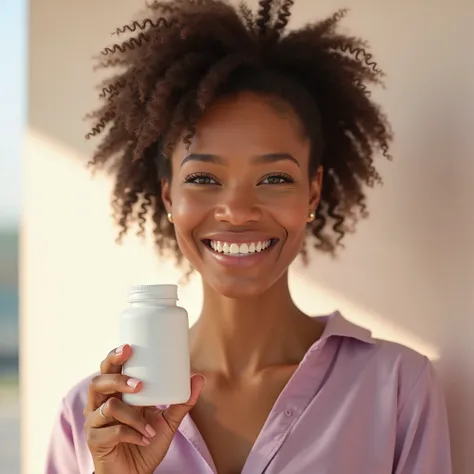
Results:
[241, 337]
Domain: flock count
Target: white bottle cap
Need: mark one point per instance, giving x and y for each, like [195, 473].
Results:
[141, 292]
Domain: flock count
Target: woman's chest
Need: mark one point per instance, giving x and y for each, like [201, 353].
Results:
[319, 437]
[230, 421]
[340, 423]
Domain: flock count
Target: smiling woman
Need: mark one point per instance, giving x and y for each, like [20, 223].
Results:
[243, 143]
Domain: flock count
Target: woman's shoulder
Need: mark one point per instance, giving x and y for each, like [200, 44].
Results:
[360, 350]
[401, 370]
[392, 364]
[406, 363]
[401, 355]
[401, 373]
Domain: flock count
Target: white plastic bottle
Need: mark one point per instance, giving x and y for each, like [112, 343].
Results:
[158, 331]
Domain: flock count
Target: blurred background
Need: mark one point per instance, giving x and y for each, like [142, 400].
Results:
[13, 28]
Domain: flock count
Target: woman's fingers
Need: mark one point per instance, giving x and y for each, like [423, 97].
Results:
[110, 421]
[112, 364]
[113, 411]
[174, 414]
[105, 386]
[111, 381]
[110, 384]
[113, 435]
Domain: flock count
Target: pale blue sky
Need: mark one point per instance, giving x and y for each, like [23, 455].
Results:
[13, 38]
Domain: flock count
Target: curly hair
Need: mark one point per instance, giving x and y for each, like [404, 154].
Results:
[185, 54]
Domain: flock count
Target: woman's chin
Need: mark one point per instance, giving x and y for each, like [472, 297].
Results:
[239, 289]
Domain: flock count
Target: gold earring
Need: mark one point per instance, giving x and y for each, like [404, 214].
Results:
[311, 216]
[170, 217]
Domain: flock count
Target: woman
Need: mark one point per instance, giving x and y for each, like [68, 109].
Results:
[244, 144]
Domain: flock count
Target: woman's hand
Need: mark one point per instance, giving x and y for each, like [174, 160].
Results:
[125, 439]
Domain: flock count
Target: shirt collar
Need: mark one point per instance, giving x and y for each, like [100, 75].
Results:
[337, 325]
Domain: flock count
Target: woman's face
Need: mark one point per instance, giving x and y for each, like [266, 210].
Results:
[241, 195]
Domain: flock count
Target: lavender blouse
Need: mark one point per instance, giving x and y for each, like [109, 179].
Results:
[355, 405]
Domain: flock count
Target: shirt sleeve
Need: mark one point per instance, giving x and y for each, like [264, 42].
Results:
[61, 458]
[422, 443]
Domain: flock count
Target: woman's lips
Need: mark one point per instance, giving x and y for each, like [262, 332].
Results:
[240, 253]
[237, 248]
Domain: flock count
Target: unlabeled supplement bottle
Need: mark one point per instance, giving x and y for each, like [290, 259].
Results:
[158, 331]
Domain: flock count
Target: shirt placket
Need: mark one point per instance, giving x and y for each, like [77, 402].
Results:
[290, 406]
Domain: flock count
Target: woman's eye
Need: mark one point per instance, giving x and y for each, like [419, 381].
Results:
[200, 179]
[277, 179]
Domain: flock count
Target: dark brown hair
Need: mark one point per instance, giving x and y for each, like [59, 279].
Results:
[184, 54]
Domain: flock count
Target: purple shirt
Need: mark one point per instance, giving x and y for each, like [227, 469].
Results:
[355, 405]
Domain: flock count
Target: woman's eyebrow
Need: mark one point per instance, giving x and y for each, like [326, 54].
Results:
[274, 157]
[203, 157]
[265, 158]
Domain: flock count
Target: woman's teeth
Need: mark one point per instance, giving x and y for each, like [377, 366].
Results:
[234, 249]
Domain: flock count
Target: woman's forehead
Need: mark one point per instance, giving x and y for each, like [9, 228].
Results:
[248, 121]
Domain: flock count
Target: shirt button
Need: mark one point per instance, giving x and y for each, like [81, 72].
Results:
[288, 412]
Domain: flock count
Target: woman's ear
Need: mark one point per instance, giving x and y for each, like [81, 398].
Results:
[316, 185]
[166, 193]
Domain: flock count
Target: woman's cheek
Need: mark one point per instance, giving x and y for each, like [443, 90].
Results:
[190, 210]
[291, 213]
[190, 205]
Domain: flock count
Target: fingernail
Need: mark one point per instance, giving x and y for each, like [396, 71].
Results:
[201, 377]
[150, 431]
[119, 349]
[145, 441]
[133, 383]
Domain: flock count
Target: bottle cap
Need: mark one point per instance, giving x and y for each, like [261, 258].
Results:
[143, 292]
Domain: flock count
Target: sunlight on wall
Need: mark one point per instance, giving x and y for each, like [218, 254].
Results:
[74, 282]
[316, 299]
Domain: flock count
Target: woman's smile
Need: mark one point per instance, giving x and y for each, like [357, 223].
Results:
[240, 249]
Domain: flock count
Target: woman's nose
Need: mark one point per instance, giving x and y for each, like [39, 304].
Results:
[238, 207]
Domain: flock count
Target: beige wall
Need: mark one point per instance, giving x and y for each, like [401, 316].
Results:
[407, 273]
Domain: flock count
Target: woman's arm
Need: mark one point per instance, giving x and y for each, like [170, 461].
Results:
[422, 444]
[61, 454]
